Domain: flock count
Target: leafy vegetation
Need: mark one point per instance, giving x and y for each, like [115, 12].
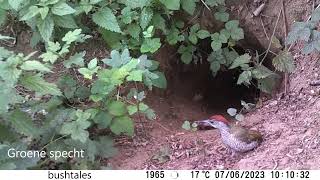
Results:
[29, 102]
[87, 108]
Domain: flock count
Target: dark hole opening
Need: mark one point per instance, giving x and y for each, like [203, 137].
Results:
[216, 93]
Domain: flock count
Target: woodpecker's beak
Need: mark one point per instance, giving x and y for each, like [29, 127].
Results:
[207, 123]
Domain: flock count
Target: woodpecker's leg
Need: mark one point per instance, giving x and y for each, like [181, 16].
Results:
[231, 152]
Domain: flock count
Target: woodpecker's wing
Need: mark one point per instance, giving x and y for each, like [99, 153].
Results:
[245, 135]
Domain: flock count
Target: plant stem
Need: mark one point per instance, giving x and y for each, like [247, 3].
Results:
[274, 31]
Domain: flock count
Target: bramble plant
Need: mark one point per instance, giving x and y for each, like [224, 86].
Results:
[28, 112]
[63, 113]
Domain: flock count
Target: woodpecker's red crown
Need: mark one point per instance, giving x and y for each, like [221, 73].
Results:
[218, 117]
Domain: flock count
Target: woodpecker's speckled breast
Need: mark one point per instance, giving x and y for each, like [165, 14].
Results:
[235, 143]
[235, 137]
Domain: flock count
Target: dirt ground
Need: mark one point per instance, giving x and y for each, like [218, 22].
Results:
[289, 122]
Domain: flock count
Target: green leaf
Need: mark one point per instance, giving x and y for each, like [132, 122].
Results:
[145, 17]
[9, 71]
[44, 12]
[189, 6]
[239, 117]
[261, 72]
[300, 31]
[39, 85]
[186, 125]
[230, 56]
[275, 42]
[32, 12]
[135, 75]
[117, 108]
[159, 22]
[126, 15]
[88, 73]
[161, 81]
[122, 124]
[245, 77]
[134, 30]
[117, 59]
[186, 53]
[186, 57]
[213, 3]
[235, 32]
[240, 61]
[66, 21]
[313, 43]
[194, 28]
[214, 66]
[217, 40]
[77, 128]
[16, 4]
[46, 28]
[136, 3]
[7, 134]
[132, 109]
[8, 96]
[148, 33]
[18, 163]
[103, 119]
[232, 111]
[72, 36]
[4, 53]
[106, 19]
[91, 70]
[76, 59]
[221, 16]
[62, 9]
[112, 39]
[22, 123]
[232, 24]
[193, 38]
[154, 66]
[171, 4]
[106, 147]
[68, 85]
[174, 36]
[268, 84]
[225, 33]
[143, 107]
[284, 62]
[34, 65]
[82, 92]
[202, 34]
[3, 16]
[150, 114]
[93, 64]
[150, 45]
[216, 45]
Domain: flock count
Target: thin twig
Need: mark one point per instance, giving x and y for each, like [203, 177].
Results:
[264, 30]
[286, 75]
[61, 137]
[274, 31]
[313, 10]
[284, 20]
[139, 116]
[206, 5]
[275, 164]
[162, 126]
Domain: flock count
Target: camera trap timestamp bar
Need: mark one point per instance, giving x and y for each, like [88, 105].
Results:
[159, 174]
